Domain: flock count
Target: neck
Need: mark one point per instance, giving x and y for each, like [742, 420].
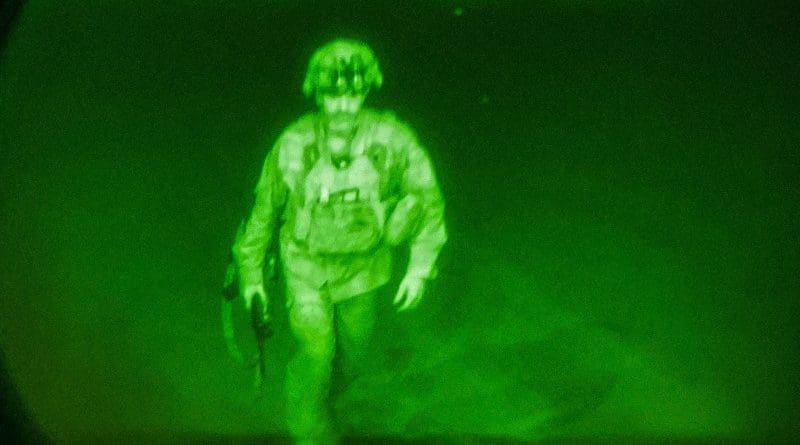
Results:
[340, 125]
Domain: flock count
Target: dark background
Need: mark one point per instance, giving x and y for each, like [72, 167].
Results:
[621, 182]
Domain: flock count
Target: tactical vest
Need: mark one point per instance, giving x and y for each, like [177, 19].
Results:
[342, 210]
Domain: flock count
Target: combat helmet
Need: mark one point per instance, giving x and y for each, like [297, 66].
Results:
[343, 66]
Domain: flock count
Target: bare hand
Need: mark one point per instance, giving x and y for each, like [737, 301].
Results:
[254, 291]
[410, 293]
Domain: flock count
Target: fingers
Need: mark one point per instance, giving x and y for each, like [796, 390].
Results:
[254, 292]
[416, 301]
[412, 293]
[264, 303]
[407, 304]
[401, 293]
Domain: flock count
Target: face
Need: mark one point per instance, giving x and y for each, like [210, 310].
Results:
[341, 111]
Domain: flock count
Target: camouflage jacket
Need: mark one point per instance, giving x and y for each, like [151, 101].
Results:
[388, 165]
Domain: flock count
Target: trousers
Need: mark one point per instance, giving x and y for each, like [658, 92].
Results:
[320, 327]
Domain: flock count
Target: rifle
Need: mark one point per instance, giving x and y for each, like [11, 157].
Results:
[260, 322]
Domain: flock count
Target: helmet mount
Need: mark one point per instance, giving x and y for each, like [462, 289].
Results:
[342, 67]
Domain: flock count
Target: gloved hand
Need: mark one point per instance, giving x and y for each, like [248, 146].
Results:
[409, 293]
[254, 291]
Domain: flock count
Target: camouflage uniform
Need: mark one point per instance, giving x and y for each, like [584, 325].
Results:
[334, 292]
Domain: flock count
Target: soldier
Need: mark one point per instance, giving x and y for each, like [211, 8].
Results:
[344, 186]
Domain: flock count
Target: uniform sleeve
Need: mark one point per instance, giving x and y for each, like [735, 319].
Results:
[255, 234]
[419, 179]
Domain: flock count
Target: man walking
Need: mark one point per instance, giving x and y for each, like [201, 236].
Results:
[343, 187]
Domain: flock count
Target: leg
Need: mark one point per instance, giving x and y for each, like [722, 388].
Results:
[355, 318]
[308, 374]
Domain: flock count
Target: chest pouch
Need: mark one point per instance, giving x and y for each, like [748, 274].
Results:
[343, 228]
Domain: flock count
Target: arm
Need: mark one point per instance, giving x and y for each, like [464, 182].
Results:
[255, 234]
[419, 180]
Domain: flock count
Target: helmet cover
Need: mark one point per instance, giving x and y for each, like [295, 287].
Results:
[341, 67]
